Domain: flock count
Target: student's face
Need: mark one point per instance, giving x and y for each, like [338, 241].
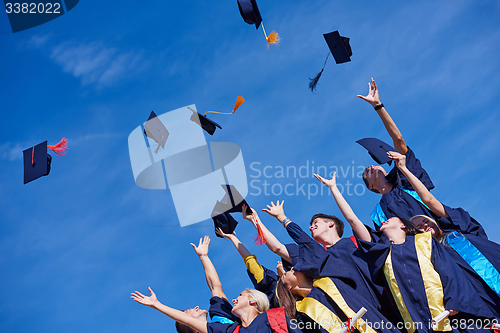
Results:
[319, 226]
[290, 279]
[423, 224]
[393, 223]
[373, 173]
[196, 312]
[242, 300]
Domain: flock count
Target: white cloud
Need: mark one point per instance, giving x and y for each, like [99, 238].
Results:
[95, 63]
[11, 151]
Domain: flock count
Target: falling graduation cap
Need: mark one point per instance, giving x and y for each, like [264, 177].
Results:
[377, 149]
[155, 130]
[339, 48]
[251, 15]
[37, 161]
[208, 124]
[232, 202]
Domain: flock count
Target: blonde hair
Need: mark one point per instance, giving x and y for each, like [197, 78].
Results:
[261, 299]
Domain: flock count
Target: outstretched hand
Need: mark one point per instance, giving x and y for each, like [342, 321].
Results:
[202, 248]
[372, 97]
[330, 183]
[248, 217]
[399, 159]
[275, 210]
[145, 300]
[221, 233]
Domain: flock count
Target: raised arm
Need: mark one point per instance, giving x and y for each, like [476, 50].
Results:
[242, 250]
[374, 100]
[198, 325]
[211, 275]
[427, 198]
[357, 226]
[271, 241]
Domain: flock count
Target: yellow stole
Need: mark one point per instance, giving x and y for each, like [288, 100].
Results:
[323, 316]
[432, 284]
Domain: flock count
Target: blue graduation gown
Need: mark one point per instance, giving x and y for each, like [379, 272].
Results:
[259, 325]
[423, 280]
[403, 201]
[331, 302]
[220, 311]
[320, 263]
[316, 262]
[478, 257]
[263, 279]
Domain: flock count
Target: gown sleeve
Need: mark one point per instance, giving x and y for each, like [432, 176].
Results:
[263, 279]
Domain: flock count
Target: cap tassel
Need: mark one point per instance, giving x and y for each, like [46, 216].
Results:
[314, 82]
[260, 239]
[239, 101]
[273, 37]
[60, 148]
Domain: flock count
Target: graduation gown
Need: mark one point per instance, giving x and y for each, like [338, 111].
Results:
[320, 263]
[261, 324]
[424, 281]
[220, 311]
[403, 201]
[263, 279]
[338, 289]
[478, 257]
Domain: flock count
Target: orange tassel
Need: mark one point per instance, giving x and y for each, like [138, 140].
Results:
[273, 38]
[260, 239]
[239, 101]
[60, 148]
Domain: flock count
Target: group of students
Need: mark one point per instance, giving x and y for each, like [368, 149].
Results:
[425, 267]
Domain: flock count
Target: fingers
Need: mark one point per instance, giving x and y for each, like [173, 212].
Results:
[194, 246]
[206, 240]
[200, 242]
[151, 291]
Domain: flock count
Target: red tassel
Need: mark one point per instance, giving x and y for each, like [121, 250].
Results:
[60, 148]
[260, 239]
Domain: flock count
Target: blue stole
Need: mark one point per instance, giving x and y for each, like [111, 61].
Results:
[378, 214]
[479, 263]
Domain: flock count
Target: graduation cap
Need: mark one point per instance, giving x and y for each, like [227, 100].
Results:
[339, 48]
[37, 161]
[377, 149]
[155, 130]
[208, 124]
[232, 202]
[250, 13]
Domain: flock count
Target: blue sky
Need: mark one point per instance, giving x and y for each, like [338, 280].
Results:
[73, 245]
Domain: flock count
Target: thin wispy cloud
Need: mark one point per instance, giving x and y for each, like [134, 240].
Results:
[96, 63]
[11, 151]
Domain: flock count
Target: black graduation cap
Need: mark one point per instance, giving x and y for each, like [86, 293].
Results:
[155, 130]
[207, 124]
[339, 48]
[377, 149]
[250, 12]
[37, 161]
[251, 15]
[232, 202]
